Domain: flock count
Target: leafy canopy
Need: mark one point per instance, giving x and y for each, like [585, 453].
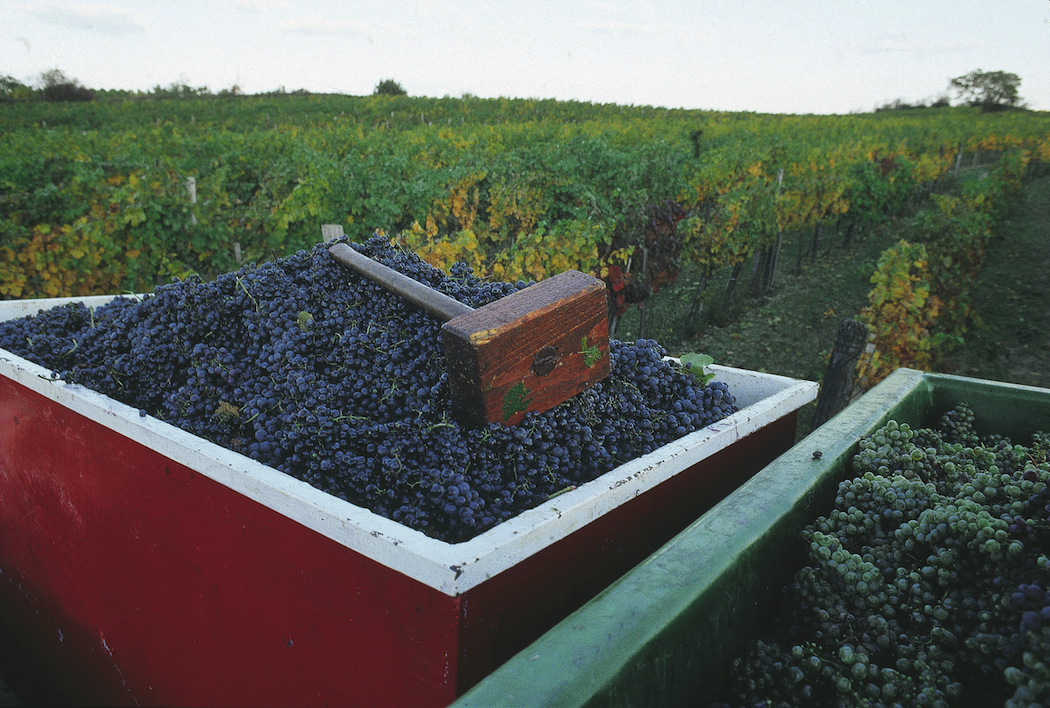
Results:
[389, 87]
[989, 90]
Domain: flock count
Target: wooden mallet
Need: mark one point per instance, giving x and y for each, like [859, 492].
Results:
[526, 352]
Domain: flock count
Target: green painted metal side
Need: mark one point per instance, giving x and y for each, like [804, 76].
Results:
[664, 633]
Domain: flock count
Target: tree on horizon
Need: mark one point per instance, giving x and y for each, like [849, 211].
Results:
[988, 90]
[389, 87]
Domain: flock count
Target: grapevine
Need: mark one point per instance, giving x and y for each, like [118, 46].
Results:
[919, 306]
[97, 203]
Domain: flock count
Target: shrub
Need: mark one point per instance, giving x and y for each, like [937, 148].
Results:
[389, 87]
[68, 92]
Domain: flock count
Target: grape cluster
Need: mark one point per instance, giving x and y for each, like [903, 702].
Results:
[924, 586]
[327, 377]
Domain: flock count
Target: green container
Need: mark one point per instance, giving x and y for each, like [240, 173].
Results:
[663, 635]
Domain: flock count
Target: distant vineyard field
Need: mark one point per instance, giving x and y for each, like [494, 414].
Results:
[109, 197]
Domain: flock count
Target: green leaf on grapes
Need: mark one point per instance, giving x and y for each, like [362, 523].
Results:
[591, 354]
[696, 365]
[516, 400]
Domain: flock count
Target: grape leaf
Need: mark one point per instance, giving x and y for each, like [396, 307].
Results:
[695, 364]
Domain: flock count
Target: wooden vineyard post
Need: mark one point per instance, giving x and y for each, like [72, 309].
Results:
[191, 189]
[838, 377]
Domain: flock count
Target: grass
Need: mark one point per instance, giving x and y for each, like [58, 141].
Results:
[1012, 298]
[791, 330]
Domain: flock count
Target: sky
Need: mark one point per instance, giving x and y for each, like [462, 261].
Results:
[766, 56]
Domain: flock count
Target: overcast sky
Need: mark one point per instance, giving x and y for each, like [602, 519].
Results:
[769, 56]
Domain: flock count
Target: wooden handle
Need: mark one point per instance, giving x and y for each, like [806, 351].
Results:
[436, 303]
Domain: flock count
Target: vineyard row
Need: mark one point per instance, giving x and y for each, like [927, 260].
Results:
[98, 202]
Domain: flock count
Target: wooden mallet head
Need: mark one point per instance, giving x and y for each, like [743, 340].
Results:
[526, 352]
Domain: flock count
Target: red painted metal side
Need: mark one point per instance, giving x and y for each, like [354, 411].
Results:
[129, 579]
[503, 616]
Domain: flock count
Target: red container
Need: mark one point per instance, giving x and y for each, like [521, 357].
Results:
[140, 564]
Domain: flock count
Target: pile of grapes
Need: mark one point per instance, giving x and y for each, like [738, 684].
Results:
[327, 377]
[928, 585]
